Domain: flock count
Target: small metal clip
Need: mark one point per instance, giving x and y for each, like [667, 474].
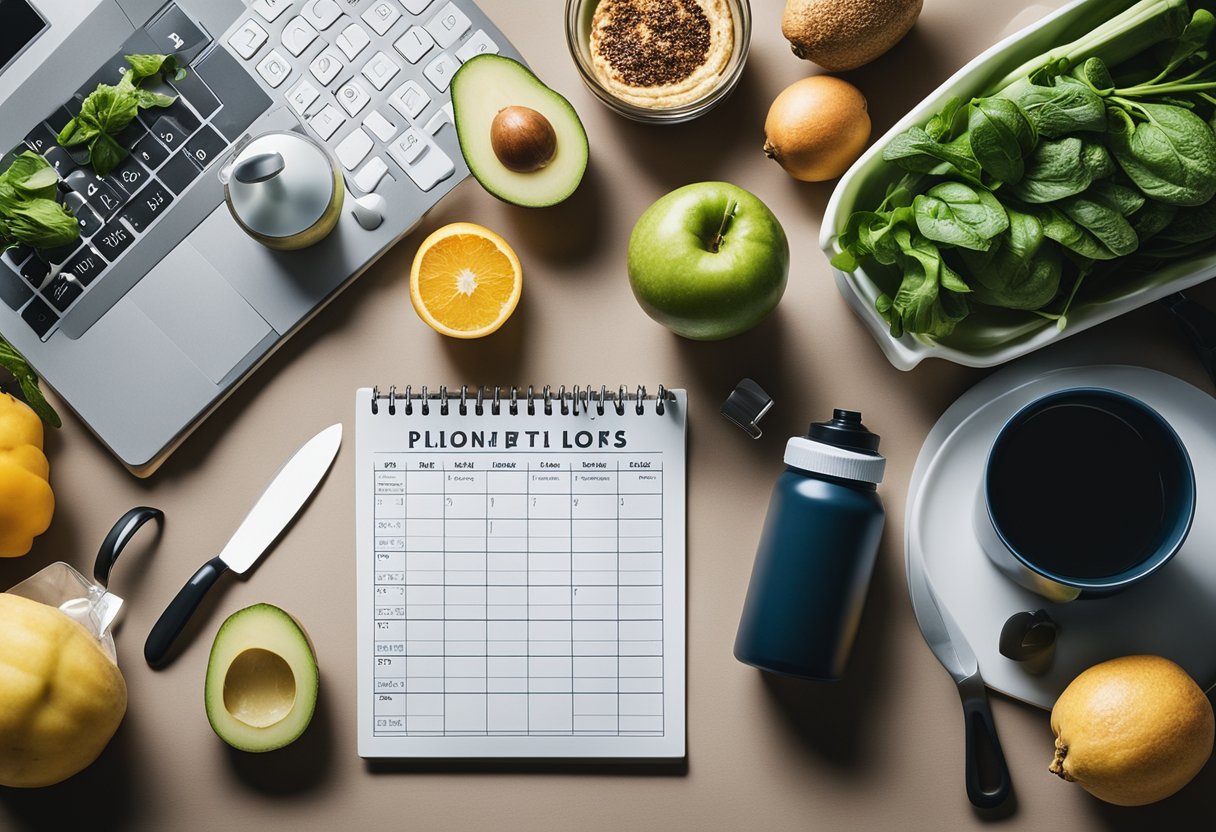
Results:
[392, 400]
[464, 400]
[478, 408]
[660, 400]
[425, 401]
[409, 400]
[375, 397]
[548, 395]
[746, 406]
[641, 408]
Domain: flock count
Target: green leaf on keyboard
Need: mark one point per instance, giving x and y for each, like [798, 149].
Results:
[109, 109]
[29, 214]
[145, 66]
[20, 369]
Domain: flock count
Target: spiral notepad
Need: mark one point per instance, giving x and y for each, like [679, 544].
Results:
[521, 575]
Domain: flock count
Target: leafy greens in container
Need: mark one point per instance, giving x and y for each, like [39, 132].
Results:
[1095, 160]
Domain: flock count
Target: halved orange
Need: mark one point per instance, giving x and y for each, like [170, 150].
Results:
[465, 281]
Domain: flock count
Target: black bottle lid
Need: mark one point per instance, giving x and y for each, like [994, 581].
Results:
[845, 430]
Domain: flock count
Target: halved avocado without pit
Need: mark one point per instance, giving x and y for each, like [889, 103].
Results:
[521, 140]
[261, 685]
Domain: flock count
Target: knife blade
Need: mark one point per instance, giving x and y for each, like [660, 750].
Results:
[987, 773]
[282, 500]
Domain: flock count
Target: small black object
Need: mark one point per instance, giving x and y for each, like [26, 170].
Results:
[845, 430]
[746, 406]
[119, 536]
[1198, 324]
[1029, 637]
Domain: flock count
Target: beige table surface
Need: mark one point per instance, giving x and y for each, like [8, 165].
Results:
[881, 750]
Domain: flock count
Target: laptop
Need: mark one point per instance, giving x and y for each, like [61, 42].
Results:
[166, 305]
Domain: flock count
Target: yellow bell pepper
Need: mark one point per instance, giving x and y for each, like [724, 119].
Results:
[26, 500]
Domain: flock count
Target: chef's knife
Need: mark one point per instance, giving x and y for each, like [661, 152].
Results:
[988, 780]
[279, 503]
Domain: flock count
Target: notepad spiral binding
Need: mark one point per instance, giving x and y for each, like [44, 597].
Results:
[569, 402]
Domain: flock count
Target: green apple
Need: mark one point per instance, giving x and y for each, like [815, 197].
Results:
[708, 261]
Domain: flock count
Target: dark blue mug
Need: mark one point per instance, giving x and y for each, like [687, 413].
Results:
[1086, 491]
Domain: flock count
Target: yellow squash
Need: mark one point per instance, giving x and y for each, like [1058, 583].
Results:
[26, 501]
[61, 696]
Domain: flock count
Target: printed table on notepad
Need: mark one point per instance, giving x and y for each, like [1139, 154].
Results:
[518, 597]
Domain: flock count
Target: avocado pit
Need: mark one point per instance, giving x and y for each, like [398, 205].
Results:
[523, 140]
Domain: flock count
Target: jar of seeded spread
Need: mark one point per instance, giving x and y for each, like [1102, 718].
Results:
[659, 61]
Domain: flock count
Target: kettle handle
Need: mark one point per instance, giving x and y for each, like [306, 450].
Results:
[259, 168]
[119, 536]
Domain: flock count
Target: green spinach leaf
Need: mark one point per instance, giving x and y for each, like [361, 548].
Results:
[1056, 111]
[1170, 155]
[1104, 221]
[931, 297]
[1154, 218]
[1022, 271]
[1001, 136]
[958, 215]
[914, 150]
[1062, 168]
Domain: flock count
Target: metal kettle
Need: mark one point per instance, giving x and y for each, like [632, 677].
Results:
[284, 189]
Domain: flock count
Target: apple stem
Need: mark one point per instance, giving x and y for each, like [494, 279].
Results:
[716, 243]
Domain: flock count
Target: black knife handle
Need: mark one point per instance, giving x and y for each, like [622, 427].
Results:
[173, 620]
[988, 780]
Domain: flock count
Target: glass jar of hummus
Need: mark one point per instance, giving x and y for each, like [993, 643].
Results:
[659, 61]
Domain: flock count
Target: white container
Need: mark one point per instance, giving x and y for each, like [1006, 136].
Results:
[990, 337]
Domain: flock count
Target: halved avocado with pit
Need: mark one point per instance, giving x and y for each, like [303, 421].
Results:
[522, 141]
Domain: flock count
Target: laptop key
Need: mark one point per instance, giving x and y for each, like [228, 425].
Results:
[243, 100]
[40, 139]
[321, 13]
[35, 270]
[440, 71]
[297, 35]
[150, 152]
[112, 240]
[180, 112]
[271, 9]
[59, 119]
[85, 265]
[13, 290]
[247, 40]
[204, 146]
[197, 94]
[100, 196]
[353, 40]
[274, 69]
[39, 316]
[170, 133]
[175, 33]
[179, 172]
[62, 290]
[147, 206]
[60, 160]
[58, 255]
[130, 175]
[89, 222]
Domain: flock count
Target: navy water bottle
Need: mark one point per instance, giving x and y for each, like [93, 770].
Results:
[816, 553]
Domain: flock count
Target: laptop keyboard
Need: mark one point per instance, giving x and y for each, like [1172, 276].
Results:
[358, 73]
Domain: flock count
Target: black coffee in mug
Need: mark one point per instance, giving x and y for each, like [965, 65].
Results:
[1086, 484]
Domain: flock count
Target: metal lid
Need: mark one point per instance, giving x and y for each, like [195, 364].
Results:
[280, 184]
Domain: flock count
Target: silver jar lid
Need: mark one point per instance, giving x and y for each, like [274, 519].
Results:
[280, 184]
